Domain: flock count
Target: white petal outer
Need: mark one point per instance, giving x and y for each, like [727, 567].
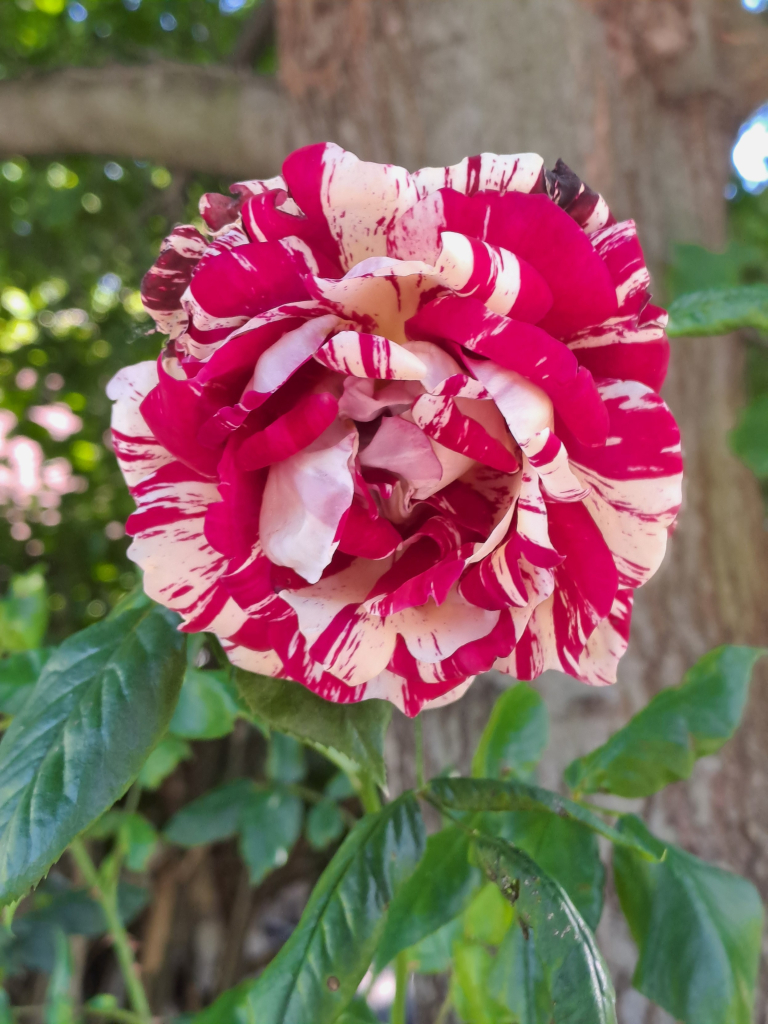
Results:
[370, 355]
[290, 352]
[316, 606]
[181, 570]
[634, 515]
[515, 172]
[304, 501]
[361, 200]
[394, 688]
[434, 632]
[137, 451]
[380, 295]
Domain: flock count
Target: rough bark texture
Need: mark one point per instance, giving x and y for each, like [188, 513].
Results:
[641, 98]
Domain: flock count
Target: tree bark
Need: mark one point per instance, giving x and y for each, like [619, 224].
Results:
[642, 99]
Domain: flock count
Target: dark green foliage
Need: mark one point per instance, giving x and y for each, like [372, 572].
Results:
[267, 820]
[663, 741]
[577, 977]
[316, 973]
[719, 311]
[355, 731]
[511, 795]
[101, 703]
[698, 929]
[436, 892]
[515, 736]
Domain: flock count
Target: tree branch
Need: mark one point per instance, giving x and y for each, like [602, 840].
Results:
[190, 117]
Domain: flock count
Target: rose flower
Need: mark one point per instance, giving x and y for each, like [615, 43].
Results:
[406, 427]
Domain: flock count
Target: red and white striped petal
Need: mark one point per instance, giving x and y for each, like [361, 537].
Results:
[442, 419]
[433, 632]
[285, 356]
[627, 348]
[370, 355]
[505, 284]
[525, 349]
[181, 569]
[619, 248]
[318, 605]
[166, 281]
[354, 203]
[511, 172]
[138, 452]
[380, 294]
[305, 500]
[351, 202]
[290, 433]
[355, 646]
[635, 479]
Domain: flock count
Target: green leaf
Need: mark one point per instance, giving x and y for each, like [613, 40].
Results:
[324, 824]
[698, 929]
[355, 731]
[18, 675]
[286, 761]
[472, 967]
[269, 826]
[339, 787]
[517, 980]
[138, 837]
[101, 703]
[212, 817]
[578, 979]
[437, 891]
[59, 1006]
[434, 954]
[6, 1013]
[358, 1012]
[168, 753]
[515, 736]
[24, 613]
[562, 847]
[513, 795]
[318, 970]
[207, 707]
[488, 918]
[749, 439]
[662, 742]
[719, 311]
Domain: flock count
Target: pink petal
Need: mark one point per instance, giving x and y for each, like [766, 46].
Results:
[403, 448]
[285, 356]
[304, 502]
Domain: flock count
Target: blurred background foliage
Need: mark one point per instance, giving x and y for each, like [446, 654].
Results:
[78, 233]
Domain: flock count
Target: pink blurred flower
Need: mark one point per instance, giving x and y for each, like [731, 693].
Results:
[57, 418]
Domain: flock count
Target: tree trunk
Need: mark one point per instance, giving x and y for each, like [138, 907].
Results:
[642, 99]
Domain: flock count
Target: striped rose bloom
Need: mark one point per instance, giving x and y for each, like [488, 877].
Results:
[406, 427]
